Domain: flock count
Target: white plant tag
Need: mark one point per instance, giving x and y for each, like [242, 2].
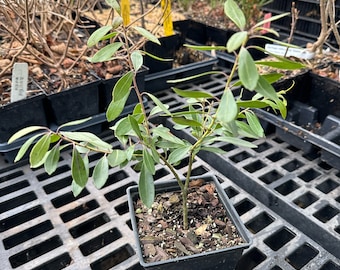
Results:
[285, 51]
[19, 81]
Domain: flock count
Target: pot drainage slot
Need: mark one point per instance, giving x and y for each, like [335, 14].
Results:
[160, 173]
[198, 171]
[231, 192]
[79, 211]
[27, 234]
[122, 208]
[327, 186]
[270, 177]
[15, 187]
[305, 200]
[251, 259]
[115, 178]
[293, 165]
[89, 225]
[113, 259]
[301, 256]
[309, 175]
[20, 218]
[11, 176]
[119, 192]
[35, 251]
[59, 170]
[59, 262]
[287, 187]
[263, 147]
[57, 185]
[68, 198]
[326, 213]
[240, 157]
[277, 156]
[100, 241]
[244, 206]
[279, 239]
[17, 201]
[330, 266]
[254, 166]
[259, 222]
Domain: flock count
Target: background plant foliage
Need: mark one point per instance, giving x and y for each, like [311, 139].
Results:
[210, 119]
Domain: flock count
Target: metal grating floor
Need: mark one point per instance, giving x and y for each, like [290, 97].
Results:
[274, 188]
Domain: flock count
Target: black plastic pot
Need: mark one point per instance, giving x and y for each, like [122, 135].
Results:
[225, 259]
[166, 50]
[20, 114]
[75, 103]
[106, 87]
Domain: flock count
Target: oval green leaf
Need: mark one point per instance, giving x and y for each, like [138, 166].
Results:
[247, 70]
[52, 159]
[148, 35]
[234, 13]
[106, 53]
[146, 187]
[23, 132]
[137, 60]
[101, 172]
[39, 150]
[98, 35]
[116, 158]
[236, 40]
[78, 169]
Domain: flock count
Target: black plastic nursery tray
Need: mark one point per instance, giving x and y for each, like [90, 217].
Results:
[300, 187]
[42, 226]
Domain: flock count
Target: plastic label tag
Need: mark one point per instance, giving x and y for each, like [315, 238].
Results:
[167, 24]
[19, 82]
[285, 51]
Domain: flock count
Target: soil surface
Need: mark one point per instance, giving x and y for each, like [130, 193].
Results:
[161, 231]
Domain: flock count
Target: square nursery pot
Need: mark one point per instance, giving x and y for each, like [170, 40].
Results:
[313, 118]
[166, 50]
[74, 103]
[106, 87]
[225, 259]
[200, 33]
[17, 115]
[186, 63]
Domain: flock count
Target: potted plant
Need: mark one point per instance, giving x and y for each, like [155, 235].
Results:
[210, 119]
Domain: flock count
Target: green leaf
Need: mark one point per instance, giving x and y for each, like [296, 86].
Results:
[76, 189]
[106, 53]
[234, 13]
[116, 158]
[121, 90]
[76, 122]
[204, 47]
[24, 132]
[162, 106]
[254, 123]
[137, 60]
[212, 149]
[285, 65]
[165, 133]
[148, 162]
[178, 154]
[192, 94]
[115, 109]
[236, 40]
[272, 77]
[82, 136]
[252, 104]
[148, 35]
[227, 109]
[98, 35]
[101, 172]
[273, 18]
[146, 187]
[114, 4]
[186, 122]
[78, 169]
[135, 126]
[266, 89]
[23, 149]
[247, 70]
[52, 159]
[39, 150]
[236, 141]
